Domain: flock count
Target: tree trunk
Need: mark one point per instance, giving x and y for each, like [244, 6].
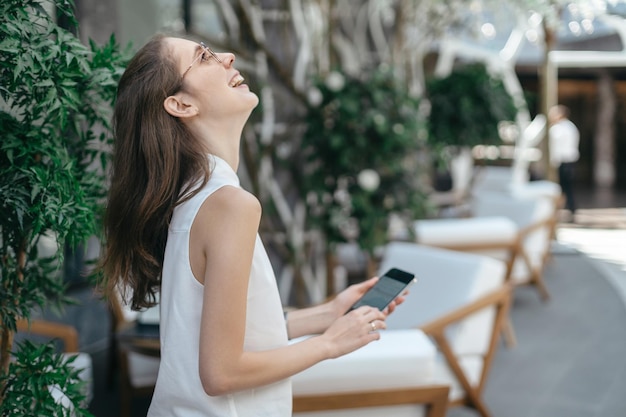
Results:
[549, 94]
[6, 334]
[6, 345]
[604, 140]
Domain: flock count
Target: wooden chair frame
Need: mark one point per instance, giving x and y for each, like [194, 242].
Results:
[434, 397]
[536, 271]
[119, 358]
[64, 332]
[501, 300]
[558, 202]
[513, 248]
[515, 251]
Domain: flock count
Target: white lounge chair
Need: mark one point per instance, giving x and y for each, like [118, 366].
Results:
[461, 300]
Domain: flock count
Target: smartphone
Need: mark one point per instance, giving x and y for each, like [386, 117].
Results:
[388, 287]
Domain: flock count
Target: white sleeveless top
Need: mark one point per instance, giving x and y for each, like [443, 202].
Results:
[178, 391]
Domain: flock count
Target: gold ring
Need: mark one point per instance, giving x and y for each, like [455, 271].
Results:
[373, 326]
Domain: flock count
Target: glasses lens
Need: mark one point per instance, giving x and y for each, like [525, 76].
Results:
[210, 51]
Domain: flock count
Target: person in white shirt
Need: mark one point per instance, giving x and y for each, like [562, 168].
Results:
[564, 140]
[179, 225]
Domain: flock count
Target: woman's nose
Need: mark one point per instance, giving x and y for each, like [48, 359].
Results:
[227, 58]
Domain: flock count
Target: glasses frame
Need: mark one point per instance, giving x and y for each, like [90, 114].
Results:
[200, 56]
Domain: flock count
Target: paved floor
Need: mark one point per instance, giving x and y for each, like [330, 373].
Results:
[569, 361]
[601, 235]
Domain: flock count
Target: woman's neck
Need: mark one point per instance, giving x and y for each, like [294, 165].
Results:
[230, 156]
[221, 140]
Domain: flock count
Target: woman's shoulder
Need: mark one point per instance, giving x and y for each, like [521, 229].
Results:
[229, 211]
[234, 200]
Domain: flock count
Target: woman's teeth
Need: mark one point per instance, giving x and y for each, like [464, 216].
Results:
[236, 82]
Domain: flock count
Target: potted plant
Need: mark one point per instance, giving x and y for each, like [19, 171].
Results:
[466, 108]
[360, 158]
[55, 97]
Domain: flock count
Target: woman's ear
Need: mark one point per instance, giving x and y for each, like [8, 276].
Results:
[177, 107]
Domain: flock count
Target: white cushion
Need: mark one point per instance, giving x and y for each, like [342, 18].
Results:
[142, 369]
[400, 359]
[85, 364]
[533, 189]
[82, 362]
[494, 178]
[524, 211]
[446, 280]
[471, 230]
[150, 315]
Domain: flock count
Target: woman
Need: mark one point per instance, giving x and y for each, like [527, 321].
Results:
[179, 225]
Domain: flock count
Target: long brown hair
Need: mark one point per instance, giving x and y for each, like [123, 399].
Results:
[156, 160]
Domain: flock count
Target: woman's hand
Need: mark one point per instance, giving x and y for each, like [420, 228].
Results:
[317, 319]
[396, 302]
[345, 299]
[354, 330]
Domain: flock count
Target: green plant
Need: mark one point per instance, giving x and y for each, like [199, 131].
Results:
[55, 100]
[37, 370]
[360, 162]
[466, 107]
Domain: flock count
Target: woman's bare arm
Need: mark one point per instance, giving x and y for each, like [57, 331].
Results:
[225, 229]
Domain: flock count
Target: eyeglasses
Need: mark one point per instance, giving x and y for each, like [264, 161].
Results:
[203, 56]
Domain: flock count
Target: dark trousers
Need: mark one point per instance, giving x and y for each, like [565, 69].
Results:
[566, 180]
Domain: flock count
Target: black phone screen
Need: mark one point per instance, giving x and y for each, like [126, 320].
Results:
[388, 287]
